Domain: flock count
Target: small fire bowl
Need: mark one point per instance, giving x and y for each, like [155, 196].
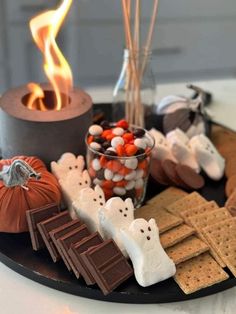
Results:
[46, 134]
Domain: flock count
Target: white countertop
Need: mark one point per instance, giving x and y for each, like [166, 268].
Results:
[19, 295]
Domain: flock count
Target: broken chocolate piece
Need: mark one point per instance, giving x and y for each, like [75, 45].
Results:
[62, 230]
[48, 225]
[68, 239]
[78, 265]
[34, 216]
[107, 265]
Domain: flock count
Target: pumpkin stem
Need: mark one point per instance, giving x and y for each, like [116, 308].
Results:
[18, 174]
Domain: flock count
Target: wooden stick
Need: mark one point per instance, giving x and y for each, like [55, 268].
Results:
[129, 8]
[137, 27]
[128, 3]
[130, 42]
[152, 25]
[127, 83]
[137, 98]
[130, 45]
[150, 36]
[127, 25]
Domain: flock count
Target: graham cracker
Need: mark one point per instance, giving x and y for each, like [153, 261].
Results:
[207, 219]
[167, 197]
[164, 220]
[188, 202]
[198, 273]
[189, 248]
[198, 210]
[176, 235]
[222, 238]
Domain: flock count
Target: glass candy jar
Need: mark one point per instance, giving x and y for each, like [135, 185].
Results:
[131, 89]
[123, 176]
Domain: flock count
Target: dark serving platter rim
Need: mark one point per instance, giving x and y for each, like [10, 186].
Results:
[17, 254]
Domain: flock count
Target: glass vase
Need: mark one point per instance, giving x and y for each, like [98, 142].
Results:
[134, 92]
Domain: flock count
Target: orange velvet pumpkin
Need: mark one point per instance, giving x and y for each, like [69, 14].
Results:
[16, 200]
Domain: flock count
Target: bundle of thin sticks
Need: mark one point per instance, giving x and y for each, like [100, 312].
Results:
[134, 107]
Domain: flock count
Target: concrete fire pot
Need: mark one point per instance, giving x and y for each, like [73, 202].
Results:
[46, 134]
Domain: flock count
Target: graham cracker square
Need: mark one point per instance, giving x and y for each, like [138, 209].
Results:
[164, 220]
[167, 197]
[176, 235]
[198, 210]
[222, 237]
[207, 219]
[189, 248]
[198, 273]
[188, 202]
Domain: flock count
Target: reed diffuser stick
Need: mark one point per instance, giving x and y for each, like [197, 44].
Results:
[137, 27]
[130, 45]
[137, 98]
[134, 108]
[125, 28]
[127, 25]
[147, 46]
[128, 68]
[152, 25]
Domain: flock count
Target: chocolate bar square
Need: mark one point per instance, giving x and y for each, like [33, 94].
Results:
[46, 226]
[70, 238]
[57, 233]
[78, 265]
[34, 216]
[107, 265]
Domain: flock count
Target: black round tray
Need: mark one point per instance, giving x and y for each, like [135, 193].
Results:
[16, 253]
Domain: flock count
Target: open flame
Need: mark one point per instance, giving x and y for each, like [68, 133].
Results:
[44, 29]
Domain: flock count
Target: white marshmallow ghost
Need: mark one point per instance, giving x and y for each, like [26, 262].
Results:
[150, 261]
[87, 206]
[72, 184]
[208, 157]
[179, 143]
[162, 150]
[116, 214]
[67, 163]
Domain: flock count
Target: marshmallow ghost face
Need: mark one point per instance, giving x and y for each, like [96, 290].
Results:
[91, 199]
[145, 233]
[68, 162]
[73, 183]
[120, 213]
[116, 214]
[208, 157]
[87, 205]
[142, 243]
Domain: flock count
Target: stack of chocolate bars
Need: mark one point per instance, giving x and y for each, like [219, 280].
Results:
[83, 252]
